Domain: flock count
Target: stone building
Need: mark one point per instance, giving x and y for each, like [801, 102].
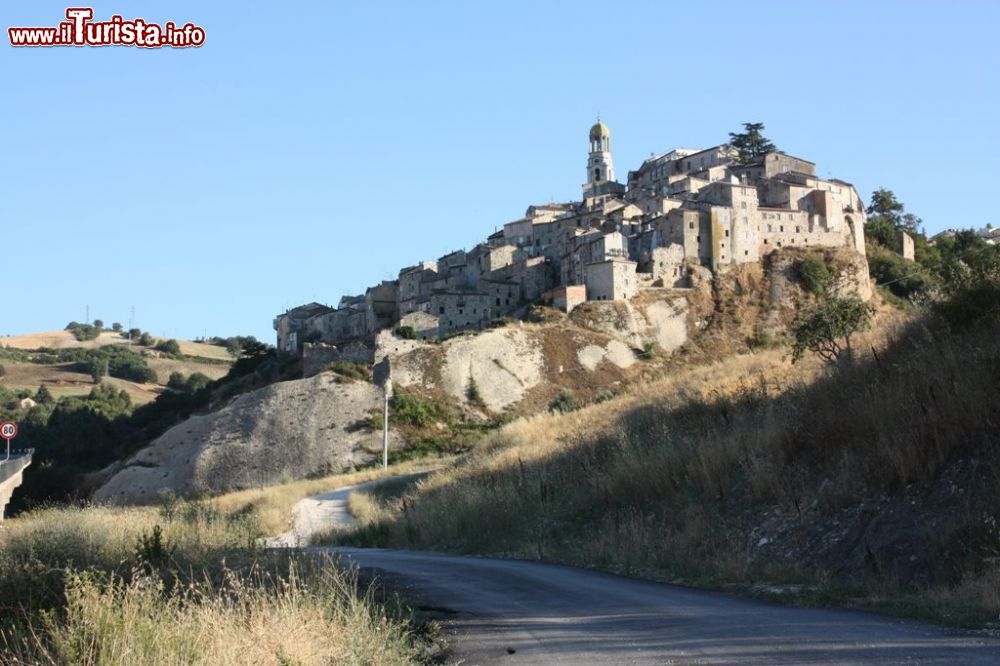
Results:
[680, 212]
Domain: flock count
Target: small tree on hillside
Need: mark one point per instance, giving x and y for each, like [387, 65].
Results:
[116, 327]
[44, 396]
[98, 324]
[826, 329]
[146, 340]
[751, 143]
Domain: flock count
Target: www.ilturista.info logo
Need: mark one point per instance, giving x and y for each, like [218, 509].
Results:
[81, 30]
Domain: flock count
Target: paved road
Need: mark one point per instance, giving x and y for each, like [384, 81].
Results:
[516, 612]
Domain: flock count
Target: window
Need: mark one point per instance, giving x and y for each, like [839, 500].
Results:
[742, 204]
[727, 233]
[746, 253]
[796, 229]
[781, 228]
[441, 310]
[460, 311]
[698, 239]
[690, 225]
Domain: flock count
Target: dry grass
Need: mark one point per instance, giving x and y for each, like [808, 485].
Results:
[65, 339]
[200, 593]
[164, 366]
[62, 380]
[672, 480]
[273, 505]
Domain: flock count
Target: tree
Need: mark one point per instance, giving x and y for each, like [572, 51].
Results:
[99, 369]
[44, 396]
[885, 204]
[133, 334]
[98, 324]
[146, 340]
[826, 329]
[750, 143]
[116, 327]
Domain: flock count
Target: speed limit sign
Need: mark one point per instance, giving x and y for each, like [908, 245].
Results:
[8, 430]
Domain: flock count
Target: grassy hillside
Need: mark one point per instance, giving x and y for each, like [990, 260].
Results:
[68, 379]
[874, 484]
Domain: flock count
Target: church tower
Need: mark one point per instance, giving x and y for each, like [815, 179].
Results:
[599, 164]
[600, 167]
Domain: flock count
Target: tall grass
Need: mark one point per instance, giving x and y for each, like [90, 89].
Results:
[185, 583]
[682, 483]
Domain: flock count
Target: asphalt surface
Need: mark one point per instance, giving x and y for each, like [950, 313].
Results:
[519, 612]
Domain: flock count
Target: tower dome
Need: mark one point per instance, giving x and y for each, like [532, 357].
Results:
[599, 131]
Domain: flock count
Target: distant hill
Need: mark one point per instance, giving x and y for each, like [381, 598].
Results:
[67, 379]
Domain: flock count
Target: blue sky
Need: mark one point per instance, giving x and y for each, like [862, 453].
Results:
[310, 149]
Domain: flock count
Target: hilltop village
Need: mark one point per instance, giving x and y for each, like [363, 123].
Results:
[680, 212]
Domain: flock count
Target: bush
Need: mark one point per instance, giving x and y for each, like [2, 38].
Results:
[564, 402]
[406, 332]
[116, 327]
[903, 278]
[3, 371]
[176, 381]
[146, 340]
[971, 306]
[133, 334]
[408, 408]
[170, 347]
[349, 371]
[98, 324]
[84, 332]
[814, 274]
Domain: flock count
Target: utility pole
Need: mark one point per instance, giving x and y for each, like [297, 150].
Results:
[381, 377]
[385, 427]
[131, 317]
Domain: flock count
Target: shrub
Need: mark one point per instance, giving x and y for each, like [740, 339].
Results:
[564, 402]
[406, 332]
[84, 332]
[146, 340]
[116, 327]
[133, 334]
[472, 393]
[98, 324]
[405, 407]
[176, 381]
[814, 274]
[170, 347]
[3, 371]
[349, 371]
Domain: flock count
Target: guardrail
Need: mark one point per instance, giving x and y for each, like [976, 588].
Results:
[18, 461]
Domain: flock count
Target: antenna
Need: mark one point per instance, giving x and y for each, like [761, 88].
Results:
[86, 318]
[131, 318]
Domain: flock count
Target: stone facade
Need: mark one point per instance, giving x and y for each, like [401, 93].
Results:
[681, 212]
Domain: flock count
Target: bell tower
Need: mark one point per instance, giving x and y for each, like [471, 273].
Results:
[600, 167]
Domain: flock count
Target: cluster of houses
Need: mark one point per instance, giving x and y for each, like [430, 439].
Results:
[677, 212]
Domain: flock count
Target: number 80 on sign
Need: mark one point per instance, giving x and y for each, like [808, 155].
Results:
[8, 430]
